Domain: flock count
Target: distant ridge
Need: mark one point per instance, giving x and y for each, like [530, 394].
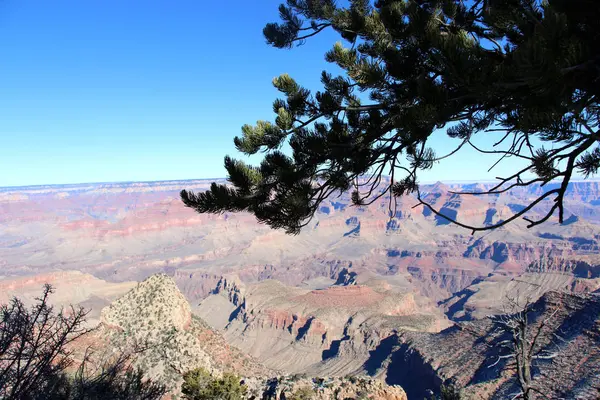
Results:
[210, 180]
[99, 184]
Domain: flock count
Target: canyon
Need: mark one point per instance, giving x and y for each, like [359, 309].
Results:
[377, 290]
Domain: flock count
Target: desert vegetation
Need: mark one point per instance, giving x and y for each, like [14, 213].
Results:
[199, 384]
[37, 358]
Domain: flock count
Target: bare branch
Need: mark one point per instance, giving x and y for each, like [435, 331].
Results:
[500, 358]
[490, 227]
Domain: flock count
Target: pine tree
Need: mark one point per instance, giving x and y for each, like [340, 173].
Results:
[515, 69]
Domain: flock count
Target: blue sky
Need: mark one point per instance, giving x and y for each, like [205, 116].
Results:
[124, 90]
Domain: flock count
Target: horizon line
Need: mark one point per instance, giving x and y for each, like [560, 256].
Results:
[43, 185]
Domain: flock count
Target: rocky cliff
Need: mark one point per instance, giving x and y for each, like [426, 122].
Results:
[336, 332]
[155, 316]
[302, 330]
[465, 355]
[497, 292]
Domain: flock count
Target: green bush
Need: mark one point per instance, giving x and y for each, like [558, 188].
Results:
[447, 392]
[199, 384]
[303, 393]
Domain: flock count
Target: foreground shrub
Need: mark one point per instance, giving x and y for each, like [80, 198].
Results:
[303, 393]
[35, 357]
[199, 384]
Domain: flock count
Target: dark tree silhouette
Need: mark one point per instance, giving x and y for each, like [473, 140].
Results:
[34, 345]
[35, 355]
[517, 70]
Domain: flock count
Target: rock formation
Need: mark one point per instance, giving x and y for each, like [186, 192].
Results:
[392, 345]
[298, 330]
[156, 317]
[465, 355]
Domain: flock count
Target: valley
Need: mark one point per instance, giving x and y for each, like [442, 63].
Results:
[355, 293]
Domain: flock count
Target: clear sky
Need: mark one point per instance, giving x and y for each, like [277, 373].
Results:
[124, 90]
